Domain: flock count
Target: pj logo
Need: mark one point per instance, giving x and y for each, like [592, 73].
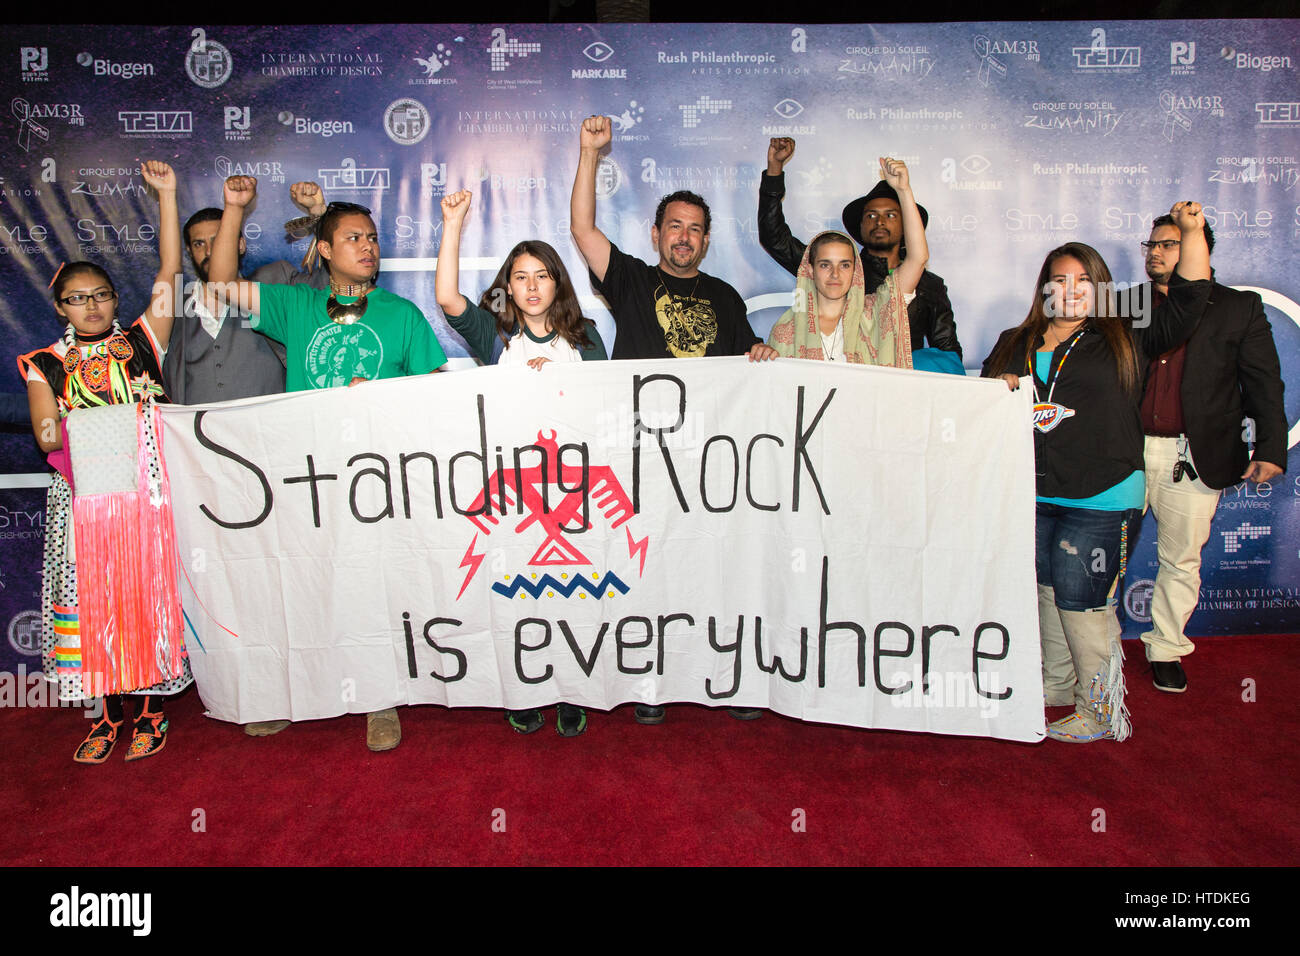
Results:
[552, 500]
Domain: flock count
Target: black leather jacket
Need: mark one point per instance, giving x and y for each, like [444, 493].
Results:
[929, 314]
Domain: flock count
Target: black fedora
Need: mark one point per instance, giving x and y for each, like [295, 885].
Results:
[852, 217]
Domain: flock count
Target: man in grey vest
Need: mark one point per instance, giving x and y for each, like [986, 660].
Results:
[217, 357]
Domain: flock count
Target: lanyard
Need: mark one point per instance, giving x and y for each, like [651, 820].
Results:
[1054, 377]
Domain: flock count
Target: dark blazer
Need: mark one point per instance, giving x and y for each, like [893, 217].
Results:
[929, 314]
[1232, 371]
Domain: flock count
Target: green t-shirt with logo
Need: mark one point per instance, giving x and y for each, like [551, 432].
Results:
[390, 340]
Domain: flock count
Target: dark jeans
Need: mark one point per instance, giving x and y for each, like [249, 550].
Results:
[1077, 552]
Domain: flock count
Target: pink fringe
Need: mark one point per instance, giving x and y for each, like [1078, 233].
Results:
[128, 590]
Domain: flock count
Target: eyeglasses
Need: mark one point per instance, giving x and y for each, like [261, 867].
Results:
[1164, 245]
[81, 298]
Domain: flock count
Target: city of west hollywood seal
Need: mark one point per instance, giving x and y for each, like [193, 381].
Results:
[339, 353]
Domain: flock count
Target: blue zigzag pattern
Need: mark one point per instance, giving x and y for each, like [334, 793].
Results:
[546, 581]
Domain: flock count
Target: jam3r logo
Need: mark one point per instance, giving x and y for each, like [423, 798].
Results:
[553, 500]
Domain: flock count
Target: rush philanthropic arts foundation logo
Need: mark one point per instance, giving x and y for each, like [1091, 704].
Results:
[207, 62]
[544, 505]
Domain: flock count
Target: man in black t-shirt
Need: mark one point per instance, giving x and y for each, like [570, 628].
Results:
[668, 310]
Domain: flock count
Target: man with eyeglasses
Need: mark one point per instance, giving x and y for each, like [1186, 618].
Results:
[214, 356]
[875, 221]
[1194, 404]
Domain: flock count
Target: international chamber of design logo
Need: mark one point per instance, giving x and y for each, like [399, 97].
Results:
[545, 505]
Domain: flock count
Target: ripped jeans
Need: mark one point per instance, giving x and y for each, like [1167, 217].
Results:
[1077, 552]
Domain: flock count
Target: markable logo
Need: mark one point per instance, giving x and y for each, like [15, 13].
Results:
[598, 52]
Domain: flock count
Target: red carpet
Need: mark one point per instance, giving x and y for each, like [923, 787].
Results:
[1206, 780]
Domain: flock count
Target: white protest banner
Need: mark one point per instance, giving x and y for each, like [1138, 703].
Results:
[839, 544]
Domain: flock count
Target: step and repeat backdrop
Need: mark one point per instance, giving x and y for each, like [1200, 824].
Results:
[1019, 136]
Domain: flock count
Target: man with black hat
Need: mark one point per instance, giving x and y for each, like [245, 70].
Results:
[875, 221]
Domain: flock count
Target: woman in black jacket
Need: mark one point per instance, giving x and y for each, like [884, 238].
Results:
[1086, 357]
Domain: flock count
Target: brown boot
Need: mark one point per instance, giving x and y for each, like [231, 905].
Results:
[265, 728]
[383, 730]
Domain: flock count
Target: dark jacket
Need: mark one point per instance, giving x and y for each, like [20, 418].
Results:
[1101, 443]
[1232, 371]
[929, 314]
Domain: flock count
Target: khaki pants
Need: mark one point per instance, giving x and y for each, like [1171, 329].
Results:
[1183, 511]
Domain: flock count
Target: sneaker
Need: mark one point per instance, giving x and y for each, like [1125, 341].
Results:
[525, 721]
[570, 720]
[1078, 729]
[150, 736]
[383, 730]
[99, 742]
[1169, 676]
[745, 713]
[265, 728]
[648, 714]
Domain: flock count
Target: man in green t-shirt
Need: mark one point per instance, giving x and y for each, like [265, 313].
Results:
[354, 332]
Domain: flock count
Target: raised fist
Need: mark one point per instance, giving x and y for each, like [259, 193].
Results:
[308, 197]
[158, 175]
[894, 172]
[1188, 216]
[779, 151]
[239, 191]
[596, 132]
[455, 206]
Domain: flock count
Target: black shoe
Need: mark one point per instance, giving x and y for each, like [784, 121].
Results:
[525, 721]
[570, 720]
[745, 713]
[648, 714]
[1168, 676]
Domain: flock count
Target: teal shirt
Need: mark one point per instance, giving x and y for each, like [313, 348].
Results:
[478, 327]
[390, 340]
[1121, 496]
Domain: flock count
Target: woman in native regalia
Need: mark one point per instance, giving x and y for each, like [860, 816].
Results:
[97, 363]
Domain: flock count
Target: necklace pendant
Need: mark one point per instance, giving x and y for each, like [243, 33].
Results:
[1047, 415]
